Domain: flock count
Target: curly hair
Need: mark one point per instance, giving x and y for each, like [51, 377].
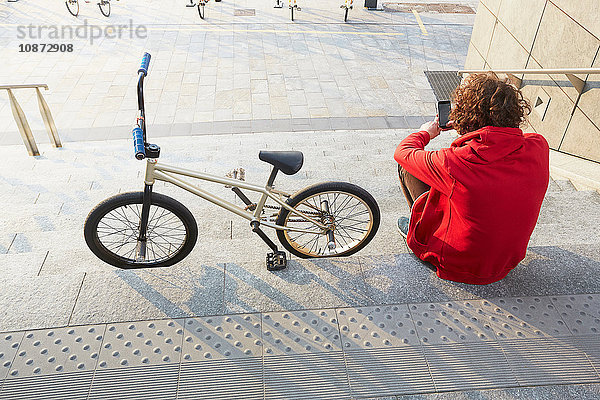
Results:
[485, 100]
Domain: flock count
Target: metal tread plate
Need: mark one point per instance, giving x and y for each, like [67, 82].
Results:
[580, 312]
[306, 376]
[376, 327]
[141, 343]
[72, 386]
[439, 323]
[485, 320]
[136, 383]
[465, 366]
[240, 378]
[549, 361]
[443, 83]
[9, 345]
[590, 345]
[59, 350]
[388, 371]
[526, 317]
[228, 336]
[296, 332]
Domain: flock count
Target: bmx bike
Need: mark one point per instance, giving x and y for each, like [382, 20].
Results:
[200, 5]
[348, 5]
[147, 229]
[73, 7]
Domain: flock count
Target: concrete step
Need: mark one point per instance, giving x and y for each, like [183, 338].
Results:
[561, 220]
[565, 185]
[87, 291]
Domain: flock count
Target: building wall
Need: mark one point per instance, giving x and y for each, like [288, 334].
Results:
[546, 34]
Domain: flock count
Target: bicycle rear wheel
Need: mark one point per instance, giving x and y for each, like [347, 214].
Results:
[201, 10]
[104, 6]
[73, 7]
[346, 14]
[350, 211]
[111, 231]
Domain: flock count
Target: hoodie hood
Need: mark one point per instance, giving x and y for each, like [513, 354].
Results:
[490, 143]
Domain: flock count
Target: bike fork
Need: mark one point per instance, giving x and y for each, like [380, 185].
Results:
[140, 250]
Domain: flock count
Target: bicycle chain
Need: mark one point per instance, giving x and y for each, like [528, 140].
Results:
[304, 212]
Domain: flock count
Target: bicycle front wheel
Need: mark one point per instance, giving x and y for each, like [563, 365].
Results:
[73, 7]
[350, 212]
[346, 15]
[104, 7]
[112, 227]
[201, 10]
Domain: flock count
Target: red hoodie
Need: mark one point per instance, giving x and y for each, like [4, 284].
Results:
[486, 194]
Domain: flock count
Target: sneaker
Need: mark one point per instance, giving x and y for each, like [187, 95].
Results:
[403, 223]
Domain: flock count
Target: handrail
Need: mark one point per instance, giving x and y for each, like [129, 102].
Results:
[31, 86]
[578, 83]
[21, 119]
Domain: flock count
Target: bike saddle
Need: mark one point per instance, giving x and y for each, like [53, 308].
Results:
[288, 162]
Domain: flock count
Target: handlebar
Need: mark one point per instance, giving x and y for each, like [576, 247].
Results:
[138, 143]
[145, 64]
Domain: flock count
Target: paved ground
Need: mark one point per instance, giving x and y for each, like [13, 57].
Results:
[218, 325]
[263, 68]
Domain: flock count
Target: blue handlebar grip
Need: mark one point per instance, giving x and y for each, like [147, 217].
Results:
[145, 64]
[138, 143]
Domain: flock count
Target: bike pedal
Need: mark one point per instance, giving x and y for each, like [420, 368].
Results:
[276, 261]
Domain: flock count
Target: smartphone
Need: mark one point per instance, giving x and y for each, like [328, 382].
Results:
[443, 109]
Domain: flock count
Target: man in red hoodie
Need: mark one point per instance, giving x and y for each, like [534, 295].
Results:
[474, 205]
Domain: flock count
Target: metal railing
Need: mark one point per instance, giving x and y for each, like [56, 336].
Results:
[578, 83]
[21, 119]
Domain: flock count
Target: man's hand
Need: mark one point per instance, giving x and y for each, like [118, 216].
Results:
[432, 128]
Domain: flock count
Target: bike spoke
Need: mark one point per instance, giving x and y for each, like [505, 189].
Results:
[166, 234]
[349, 215]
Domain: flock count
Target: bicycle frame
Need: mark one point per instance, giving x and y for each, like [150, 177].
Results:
[167, 173]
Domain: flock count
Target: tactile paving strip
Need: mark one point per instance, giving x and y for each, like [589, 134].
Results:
[590, 345]
[52, 351]
[306, 376]
[439, 323]
[131, 344]
[240, 378]
[580, 312]
[389, 371]
[548, 361]
[525, 317]
[71, 386]
[232, 336]
[9, 344]
[295, 332]
[443, 83]
[136, 383]
[464, 366]
[376, 327]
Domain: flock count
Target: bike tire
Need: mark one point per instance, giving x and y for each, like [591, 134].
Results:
[346, 15]
[201, 10]
[307, 199]
[292, 13]
[123, 211]
[104, 6]
[73, 7]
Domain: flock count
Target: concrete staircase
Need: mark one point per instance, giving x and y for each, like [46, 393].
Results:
[50, 279]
